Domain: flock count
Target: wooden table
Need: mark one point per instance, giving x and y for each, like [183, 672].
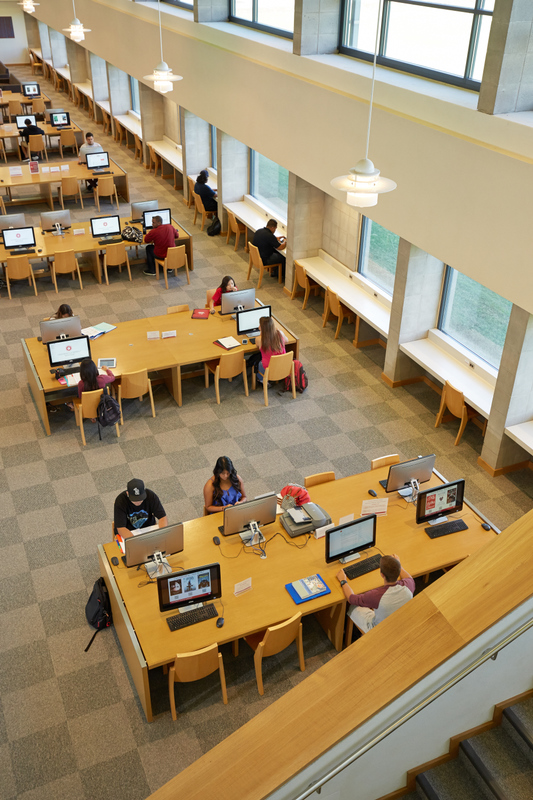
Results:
[26, 101]
[171, 154]
[146, 640]
[11, 133]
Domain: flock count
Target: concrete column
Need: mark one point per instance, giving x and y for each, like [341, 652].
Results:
[210, 10]
[415, 305]
[304, 223]
[32, 31]
[316, 26]
[233, 171]
[44, 36]
[340, 231]
[172, 120]
[507, 83]
[196, 144]
[77, 61]
[99, 78]
[119, 91]
[152, 117]
[58, 49]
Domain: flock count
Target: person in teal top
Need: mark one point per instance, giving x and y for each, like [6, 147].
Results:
[225, 488]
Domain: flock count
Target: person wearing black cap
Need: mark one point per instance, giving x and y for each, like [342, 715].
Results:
[137, 508]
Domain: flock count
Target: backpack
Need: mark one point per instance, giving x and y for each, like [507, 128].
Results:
[215, 227]
[98, 609]
[130, 234]
[108, 411]
[294, 495]
[301, 380]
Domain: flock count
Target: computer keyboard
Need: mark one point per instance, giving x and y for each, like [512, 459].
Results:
[192, 617]
[362, 567]
[21, 252]
[102, 172]
[103, 242]
[454, 526]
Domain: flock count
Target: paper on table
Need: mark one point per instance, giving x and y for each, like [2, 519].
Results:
[148, 528]
[152, 335]
[46, 169]
[378, 507]
[73, 379]
[65, 167]
[347, 518]
[78, 231]
[15, 172]
[242, 587]
[321, 532]
[54, 169]
[168, 334]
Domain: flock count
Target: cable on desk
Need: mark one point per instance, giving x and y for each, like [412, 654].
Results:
[291, 542]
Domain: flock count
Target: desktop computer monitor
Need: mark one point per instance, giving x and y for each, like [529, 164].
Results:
[31, 89]
[261, 509]
[180, 589]
[64, 352]
[60, 119]
[434, 504]
[248, 321]
[105, 226]
[21, 120]
[97, 160]
[18, 238]
[66, 328]
[140, 548]
[350, 538]
[148, 216]
[12, 221]
[237, 301]
[49, 111]
[49, 219]
[401, 475]
[137, 209]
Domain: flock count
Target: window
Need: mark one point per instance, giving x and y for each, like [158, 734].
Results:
[134, 90]
[273, 16]
[440, 39]
[269, 183]
[179, 3]
[213, 136]
[378, 253]
[474, 316]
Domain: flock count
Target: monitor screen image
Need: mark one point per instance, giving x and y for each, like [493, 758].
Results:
[248, 321]
[148, 216]
[140, 548]
[439, 501]
[60, 118]
[233, 301]
[21, 120]
[105, 226]
[350, 537]
[18, 237]
[97, 160]
[180, 589]
[68, 351]
[400, 475]
[67, 328]
[31, 89]
[137, 209]
[49, 218]
[261, 509]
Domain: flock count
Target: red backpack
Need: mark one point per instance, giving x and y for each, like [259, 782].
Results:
[301, 380]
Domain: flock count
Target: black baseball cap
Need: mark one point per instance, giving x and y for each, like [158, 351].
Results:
[136, 490]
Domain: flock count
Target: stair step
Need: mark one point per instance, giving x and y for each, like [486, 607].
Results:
[450, 781]
[520, 718]
[503, 765]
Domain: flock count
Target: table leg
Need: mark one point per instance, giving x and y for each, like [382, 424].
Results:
[36, 389]
[174, 385]
[332, 621]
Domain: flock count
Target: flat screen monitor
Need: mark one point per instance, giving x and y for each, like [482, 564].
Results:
[97, 160]
[68, 351]
[401, 475]
[105, 226]
[180, 589]
[237, 301]
[140, 548]
[12, 221]
[261, 509]
[60, 119]
[21, 120]
[49, 111]
[18, 238]
[66, 328]
[248, 321]
[49, 219]
[31, 89]
[148, 217]
[349, 538]
[138, 209]
[435, 503]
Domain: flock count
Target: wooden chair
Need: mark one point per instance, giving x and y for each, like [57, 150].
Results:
[138, 148]
[199, 208]
[105, 188]
[273, 641]
[3, 153]
[256, 261]
[155, 160]
[176, 258]
[280, 367]
[385, 461]
[302, 279]
[36, 65]
[17, 268]
[190, 667]
[115, 256]
[228, 366]
[86, 407]
[90, 107]
[177, 309]
[318, 477]
[64, 262]
[191, 184]
[70, 187]
[37, 106]
[209, 296]
[348, 634]
[67, 139]
[236, 227]
[38, 145]
[454, 400]
[135, 384]
[14, 109]
[332, 305]
[119, 131]
[106, 120]
[76, 96]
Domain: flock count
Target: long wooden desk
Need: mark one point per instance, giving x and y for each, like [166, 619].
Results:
[11, 133]
[172, 154]
[142, 630]
[26, 101]
[128, 343]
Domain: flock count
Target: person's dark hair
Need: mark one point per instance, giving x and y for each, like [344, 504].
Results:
[203, 177]
[390, 568]
[89, 375]
[272, 223]
[271, 339]
[64, 310]
[158, 220]
[224, 285]
[87, 135]
[224, 464]
[27, 122]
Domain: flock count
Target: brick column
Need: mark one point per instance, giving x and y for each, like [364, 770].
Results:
[196, 145]
[316, 26]
[45, 40]
[77, 62]
[152, 117]
[58, 49]
[304, 224]
[233, 164]
[210, 10]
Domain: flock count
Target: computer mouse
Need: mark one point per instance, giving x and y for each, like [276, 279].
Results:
[216, 540]
[40, 250]
[220, 622]
[114, 561]
[485, 526]
[372, 492]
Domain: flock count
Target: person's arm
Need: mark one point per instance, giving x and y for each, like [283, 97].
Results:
[124, 532]
[163, 522]
[208, 498]
[368, 599]
[81, 156]
[120, 518]
[243, 493]
[148, 237]
[281, 243]
[176, 234]
[215, 300]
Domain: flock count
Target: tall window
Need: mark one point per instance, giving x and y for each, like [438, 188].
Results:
[378, 254]
[179, 3]
[441, 39]
[135, 101]
[269, 183]
[213, 136]
[474, 316]
[273, 16]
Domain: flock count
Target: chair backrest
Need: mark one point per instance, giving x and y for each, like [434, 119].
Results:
[193, 666]
[89, 403]
[301, 275]
[232, 221]
[18, 267]
[209, 296]
[177, 309]
[69, 186]
[36, 142]
[137, 141]
[319, 477]
[278, 637]
[37, 105]
[191, 184]
[199, 203]
[67, 138]
[15, 107]
[455, 400]
[280, 366]
[254, 256]
[115, 254]
[333, 300]
[231, 364]
[385, 461]
[64, 261]
[134, 384]
[176, 257]
[106, 186]
[153, 154]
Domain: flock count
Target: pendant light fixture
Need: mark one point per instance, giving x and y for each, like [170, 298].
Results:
[76, 30]
[363, 183]
[28, 6]
[162, 75]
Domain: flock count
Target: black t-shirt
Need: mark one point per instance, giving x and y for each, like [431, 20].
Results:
[207, 195]
[133, 517]
[266, 243]
[30, 130]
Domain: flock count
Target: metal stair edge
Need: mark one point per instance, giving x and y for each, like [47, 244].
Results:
[426, 787]
[482, 771]
[514, 720]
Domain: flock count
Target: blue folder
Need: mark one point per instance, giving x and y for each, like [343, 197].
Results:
[296, 597]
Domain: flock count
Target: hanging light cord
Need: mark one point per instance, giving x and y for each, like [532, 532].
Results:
[378, 26]
[160, 30]
[74, 9]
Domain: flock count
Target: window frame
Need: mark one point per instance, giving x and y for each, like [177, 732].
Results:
[253, 22]
[274, 213]
[363, 234]
[180, 4]
[213, 142]
[133, 95]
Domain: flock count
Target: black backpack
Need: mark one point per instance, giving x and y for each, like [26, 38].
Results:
[108, 411]
[98, 609]
[215, 227]
[301, 381]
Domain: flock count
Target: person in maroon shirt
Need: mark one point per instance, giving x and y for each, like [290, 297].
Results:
[162, 237]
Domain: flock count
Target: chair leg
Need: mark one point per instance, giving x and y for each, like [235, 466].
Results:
[117, 429]
[222, 679]
[326, 312]
[187, 268]
[293, 382]
[119, 398]
[151, 396]
[33, 281]
[306, 295]
[349, 631]
[245, 379]
[105, 271]
[54, 280]
[171, 692]
[217, 384]
[265, 386]
[79, 274]
[464, 420]
[261, 271]
[237, 237]
[249, 269]
[258, 661]
[339, 324]
[442, 408]
[82, 429]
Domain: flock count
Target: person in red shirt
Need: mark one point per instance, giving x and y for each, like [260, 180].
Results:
[163, 237]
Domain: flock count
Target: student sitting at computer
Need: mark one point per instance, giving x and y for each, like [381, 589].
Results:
[271, 342]
[29, 130]
[90, 379]
[370, 608]
[205, 192]
[159, 239]
[63, 312]
[90, 146]
[225, 488]
[137, 508]
[227, 285]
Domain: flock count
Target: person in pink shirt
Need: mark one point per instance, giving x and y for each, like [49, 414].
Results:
[90, 379]
[271, 342]
[227, 285]
[159, 239]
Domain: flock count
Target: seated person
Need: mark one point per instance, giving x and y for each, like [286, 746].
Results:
[370, 608]
[207, 195]
[63, 312]
[225, 488]
[271, 342]
[90, 378]
[227, 285]
[90, 146]
[269, 245]
[26, 132]
[163, 237]
[137, 508]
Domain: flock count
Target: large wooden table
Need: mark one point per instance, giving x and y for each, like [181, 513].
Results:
[128, 343]
[142, 629]
[11, 133]
[21, 98]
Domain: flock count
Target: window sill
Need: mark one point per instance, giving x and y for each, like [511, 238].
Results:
[262, 208]
[464, 356]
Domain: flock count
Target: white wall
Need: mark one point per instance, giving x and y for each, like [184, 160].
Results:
[14, 51]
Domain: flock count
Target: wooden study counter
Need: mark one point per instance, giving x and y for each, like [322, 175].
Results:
[11, 133]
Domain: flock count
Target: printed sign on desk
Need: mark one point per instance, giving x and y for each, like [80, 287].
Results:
[15, 172]
[34, 167]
